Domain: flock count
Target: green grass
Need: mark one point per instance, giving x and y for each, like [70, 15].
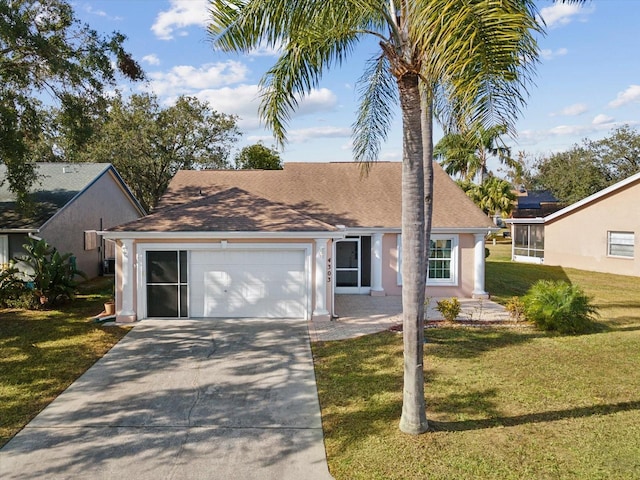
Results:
[502, 403]
[43, 352]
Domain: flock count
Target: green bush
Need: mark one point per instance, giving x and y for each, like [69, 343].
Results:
[449, 308]
[559, 306]
[51, 275]
[11, 286]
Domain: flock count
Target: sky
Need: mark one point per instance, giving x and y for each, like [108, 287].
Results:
[586, 85]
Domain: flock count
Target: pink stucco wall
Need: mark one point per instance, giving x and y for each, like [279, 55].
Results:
[466, 244]
[579, 239]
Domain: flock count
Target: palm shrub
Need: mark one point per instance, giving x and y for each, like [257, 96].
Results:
[559, 306]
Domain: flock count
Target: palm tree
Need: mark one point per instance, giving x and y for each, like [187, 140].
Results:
[491, 196]
[454, 58]
[497, 196]
[466, 153]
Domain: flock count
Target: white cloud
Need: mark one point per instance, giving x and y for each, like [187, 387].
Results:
[630, 95]
[572, 110]
[563, 136]
[186, 79]
[264, 50]
[92, 11]
[602, 119]
[151, 59]
[563, 13]
[321, 100]
[242, 100]
[182, 14]
[547, 54]
[304, 135]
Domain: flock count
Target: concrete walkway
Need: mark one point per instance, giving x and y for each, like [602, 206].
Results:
[363, 315]
[194, 399]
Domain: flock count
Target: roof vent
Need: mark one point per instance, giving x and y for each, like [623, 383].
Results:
[67, 169]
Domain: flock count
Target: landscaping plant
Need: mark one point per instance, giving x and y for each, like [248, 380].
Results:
[51, 276]
[13, 291]
[449, 308]
[515, 307]
[559, 306]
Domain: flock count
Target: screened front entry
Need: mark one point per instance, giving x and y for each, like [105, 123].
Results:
[167, 284]
[353, 265]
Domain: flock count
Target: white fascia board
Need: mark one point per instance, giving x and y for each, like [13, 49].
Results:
[525, 220]
[221, 235]
[19, 230]
[436, 230]
[446, 230]
[369, 230]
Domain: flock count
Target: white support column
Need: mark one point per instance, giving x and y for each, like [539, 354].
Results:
[320, 309]
[376, 266]
[127, 311]
[478, 267]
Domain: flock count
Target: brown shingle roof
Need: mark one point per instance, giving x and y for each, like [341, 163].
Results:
[333, 193]
[231, 210]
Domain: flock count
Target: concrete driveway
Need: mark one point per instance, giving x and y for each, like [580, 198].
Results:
[191, 399]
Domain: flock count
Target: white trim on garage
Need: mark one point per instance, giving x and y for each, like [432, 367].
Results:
[143, 248]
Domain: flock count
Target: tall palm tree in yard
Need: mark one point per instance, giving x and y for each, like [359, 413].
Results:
[463, 58]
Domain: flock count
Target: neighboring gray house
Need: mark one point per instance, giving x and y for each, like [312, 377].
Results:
[72, 202]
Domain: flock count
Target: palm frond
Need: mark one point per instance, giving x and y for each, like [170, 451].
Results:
[378, 97]
[484, 58]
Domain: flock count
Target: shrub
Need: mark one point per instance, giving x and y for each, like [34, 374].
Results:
[11, 286]
[559, 306]
[516, 308]
[51, 275]
[449, 308]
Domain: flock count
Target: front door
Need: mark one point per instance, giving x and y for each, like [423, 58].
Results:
[353, 265]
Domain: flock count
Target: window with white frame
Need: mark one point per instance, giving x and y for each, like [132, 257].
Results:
[443, 260]
[621, 244]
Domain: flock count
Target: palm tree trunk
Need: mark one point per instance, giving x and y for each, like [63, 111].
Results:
[427, 146]
[413, 419]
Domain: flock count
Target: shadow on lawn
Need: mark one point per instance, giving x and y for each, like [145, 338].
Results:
[470, 343]
[541, 417]
[507, 279]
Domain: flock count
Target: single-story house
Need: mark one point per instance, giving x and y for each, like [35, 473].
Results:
[281, 243]
[599, 233]
[72, 202]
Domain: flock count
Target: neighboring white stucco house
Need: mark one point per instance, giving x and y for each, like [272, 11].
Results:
[599, 233]
[281, 243]
[71, 203]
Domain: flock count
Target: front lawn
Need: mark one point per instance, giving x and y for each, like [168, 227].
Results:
[43, 352]
[502, 403]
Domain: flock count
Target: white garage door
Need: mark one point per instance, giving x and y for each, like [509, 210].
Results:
[248, 283]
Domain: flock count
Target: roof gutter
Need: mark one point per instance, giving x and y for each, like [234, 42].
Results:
[216, 235]
[520, 221]
[24, 231]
